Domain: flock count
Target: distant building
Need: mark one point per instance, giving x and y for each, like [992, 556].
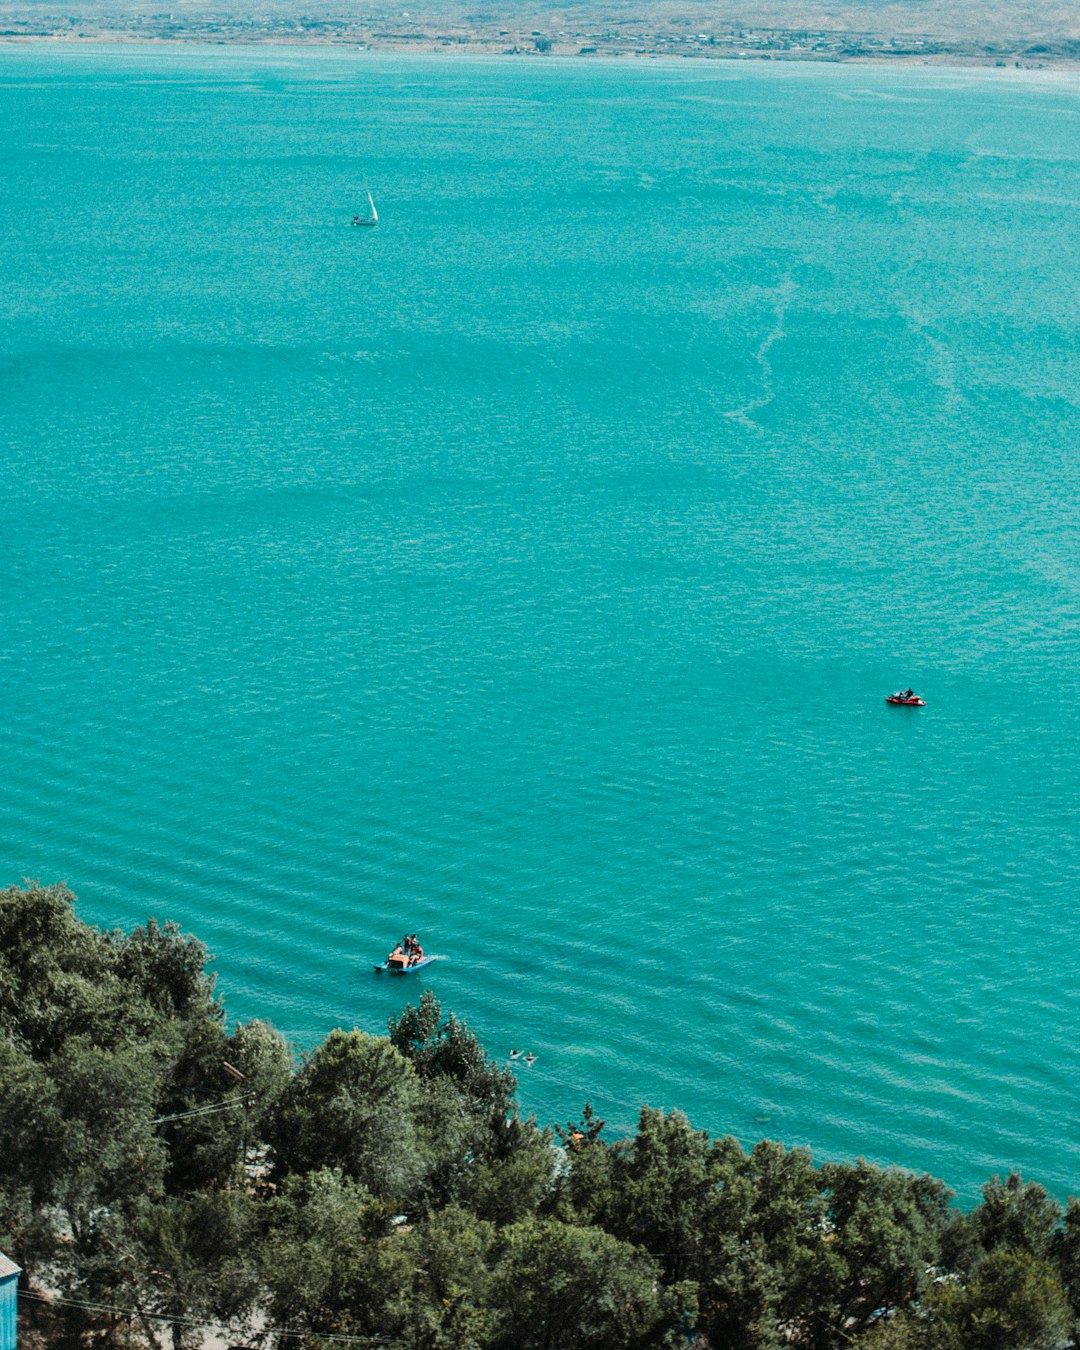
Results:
[9, 1309]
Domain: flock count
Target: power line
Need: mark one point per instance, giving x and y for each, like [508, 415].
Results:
[230, 1104]
[291, 1333]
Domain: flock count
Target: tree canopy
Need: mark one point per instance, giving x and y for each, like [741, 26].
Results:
[155, 1161]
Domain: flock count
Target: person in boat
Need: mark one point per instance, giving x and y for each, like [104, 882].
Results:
[398, 951]
[909, 693]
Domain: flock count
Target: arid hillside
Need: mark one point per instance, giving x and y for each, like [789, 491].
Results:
[1026, 33]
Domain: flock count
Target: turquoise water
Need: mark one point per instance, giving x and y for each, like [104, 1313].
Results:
[528, 572]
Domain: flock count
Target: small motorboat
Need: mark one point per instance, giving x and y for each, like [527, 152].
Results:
[902, 700]
[402, 962]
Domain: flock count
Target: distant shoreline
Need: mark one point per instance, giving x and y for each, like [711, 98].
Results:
[833, 48]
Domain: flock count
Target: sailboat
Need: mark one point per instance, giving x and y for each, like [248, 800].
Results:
[373, 219]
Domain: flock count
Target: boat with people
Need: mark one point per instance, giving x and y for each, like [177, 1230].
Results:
[407, 957]
[906, 698]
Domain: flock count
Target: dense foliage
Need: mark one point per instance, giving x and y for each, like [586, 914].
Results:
[386, 1187]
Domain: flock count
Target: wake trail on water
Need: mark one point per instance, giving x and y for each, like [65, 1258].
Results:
[939, 356]
[744, 415]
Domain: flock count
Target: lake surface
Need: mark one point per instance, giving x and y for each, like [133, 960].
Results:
[528, 573]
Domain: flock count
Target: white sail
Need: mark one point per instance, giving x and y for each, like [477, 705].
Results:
[373, 219]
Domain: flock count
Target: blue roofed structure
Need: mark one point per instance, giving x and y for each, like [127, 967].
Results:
[9, 1303]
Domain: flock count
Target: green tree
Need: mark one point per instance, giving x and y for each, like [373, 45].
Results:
[108, 1154]
[915, 1330]
[176, 1261]
[584, 1191]
[1014, 1302]
[168, 968]
[762, 1238]
[417, 1027]
[56, 974]
[205, 1144]
[881, 1240]
[662, 1185]
[448, 1305]
[196, 1257]
[439, 1049]
[331, 1259]
[352, 1106]
[558, 1287]
[1068, 1257]
[1016, 1213]
[510, 1180]
[478, 1149]
[86, 1040]
[203, 1149]
[30, 1123]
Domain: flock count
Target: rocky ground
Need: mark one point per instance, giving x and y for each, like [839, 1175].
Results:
[958, 32]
